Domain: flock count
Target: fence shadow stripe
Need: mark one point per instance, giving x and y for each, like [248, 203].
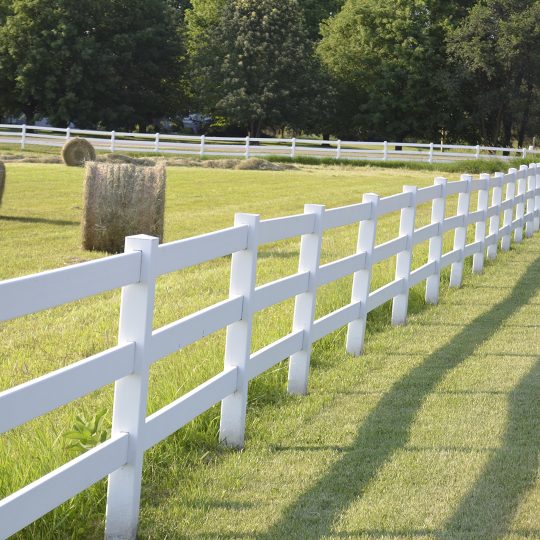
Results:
[387, 427]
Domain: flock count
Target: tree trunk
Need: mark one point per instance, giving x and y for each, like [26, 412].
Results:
[507, 132]
[525, 118]
[326, 137]
[30, 114]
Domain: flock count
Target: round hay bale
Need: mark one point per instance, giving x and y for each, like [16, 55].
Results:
[77, 151]
[121, 158]
[258, 164]
[2, 180]
[122, 199]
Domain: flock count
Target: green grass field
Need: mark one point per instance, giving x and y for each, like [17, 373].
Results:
[433, 433]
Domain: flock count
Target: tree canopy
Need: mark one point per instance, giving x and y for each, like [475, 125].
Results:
[93, 62]
[463, 70]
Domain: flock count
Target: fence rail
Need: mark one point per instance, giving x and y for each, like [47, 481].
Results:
[194, 145]
[139, 346]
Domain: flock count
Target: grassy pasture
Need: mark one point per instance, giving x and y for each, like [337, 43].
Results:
[299, 450]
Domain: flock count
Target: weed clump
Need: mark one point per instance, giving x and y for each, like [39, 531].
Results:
[122, 199]
[76, 152]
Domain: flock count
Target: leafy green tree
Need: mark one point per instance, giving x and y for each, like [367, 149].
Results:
[496, 57]
[255, 57]
[389, 61]
[201, 19]
[93, 62]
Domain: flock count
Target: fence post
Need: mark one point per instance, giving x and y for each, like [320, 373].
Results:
[537, 197]
[531, 185]
[156, 146]
[338, 149]
[247, 147]
[509, 212]
[477, 155]
[438, 209]
[494, 221]
[400, 302]
[130, 393]
[385, 154]
[480, 227]
[113, 140]
[68, 133]
[293, 147]
[23, 136]
[238, 342]
[520, 206]
[203, 140]
[524, 153]
[367, 232]
[304, 305]
[460, 234]
[430, 158]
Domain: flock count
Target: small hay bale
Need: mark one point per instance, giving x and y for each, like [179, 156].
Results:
[121, 158]
[77, 151]
[2, 180]
[258, 164]
[120, 200]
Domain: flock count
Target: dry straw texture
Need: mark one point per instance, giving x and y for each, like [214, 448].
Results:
[2, 180]
[121, 200]
[77, 151]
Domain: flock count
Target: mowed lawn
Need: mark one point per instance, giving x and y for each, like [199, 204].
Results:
[433, 433]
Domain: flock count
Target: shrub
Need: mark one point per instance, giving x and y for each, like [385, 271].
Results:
[77, 151]
[121, 200]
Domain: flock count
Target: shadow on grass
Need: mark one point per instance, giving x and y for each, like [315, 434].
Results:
[488, 509]
[386, 429]
[21, 219]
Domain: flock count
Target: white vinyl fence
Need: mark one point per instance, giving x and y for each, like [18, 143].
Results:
[112, 141]
[139, 346]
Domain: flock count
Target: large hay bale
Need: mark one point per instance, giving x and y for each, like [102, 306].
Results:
[2, 180]
[122, 199]
[77, 151]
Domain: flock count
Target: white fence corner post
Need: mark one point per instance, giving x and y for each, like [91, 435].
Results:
[509, 212]
[520, 206]
[531, 186]
[481, 226]
[238, 341]
[130, 393]
[201, 151]
[367, 232]
[524, 153]
[338, 149]
[156, 144]
[113, 140]
[477, 154]
[293, 147]
[438, 209]
[494, 221]
[400, 302]
[460, 234]
[304, 305]
[537, 197]
[68, 133]
[247, 148]
[23, 136]
[430, 157]
[385, 151]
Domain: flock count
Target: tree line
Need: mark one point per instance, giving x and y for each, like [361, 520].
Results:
[451, 70]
